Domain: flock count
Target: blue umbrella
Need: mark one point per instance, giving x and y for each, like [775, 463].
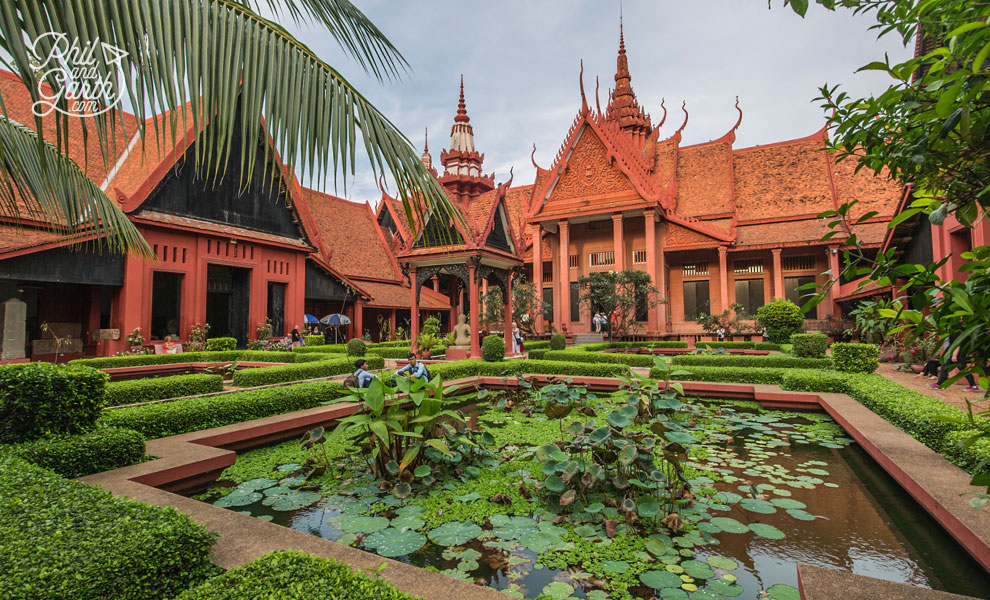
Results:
[336, 319]
[310, 319]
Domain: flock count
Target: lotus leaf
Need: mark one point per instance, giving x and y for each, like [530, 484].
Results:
[455, 533]
[596, 595]
[758, 506]
[422, 471]
[557, 590]
[721, 562]
[697, 569]
[514, 528]
[783, 592]
[408, 522]
[238, 499]
[673, 594]
[555, 484]
[541, 541]
[655, 547]
[787, 503]
[392, 542]
[410, 510]
[729, 525]
[659, 579]
[357, 524]
[289, 468]
[257, 484]
[767, 531]
[800, 515]
[725, 588]
[615, 566]
[648, 507]
[585, 531]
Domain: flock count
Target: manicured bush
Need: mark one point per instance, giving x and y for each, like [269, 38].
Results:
[220, 344]
[112, 362]
[537, 354]
[41, 399]
[67, 539]
[470, 368]
[356, 347]
[856, 358]
[103, 449]
[537, 345]
[558, 341]
[287, 575]
[769, 361]
[814, 380]
[309, 370]
[633, 360]
[724, 374]
[766, 346]
[493, 348]
[781, 318]
[314, 340]
[612, 345]
[975, 458]
[391, 351]
[326, 348]
[194, 414]
[391, 344]
[726, 345]
[158, 388]
[809, 345]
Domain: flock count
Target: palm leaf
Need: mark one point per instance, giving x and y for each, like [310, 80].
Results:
[50, 188]
[207, 61]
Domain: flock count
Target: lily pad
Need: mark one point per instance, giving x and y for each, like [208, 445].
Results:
[617, 567]
[788, 503]
[291, 501]
[514, 528]
[783, 592]
[767, 531]
[725, 588]
[801, 515]
[392, 542]
[470, 497]
[541, 541]
[558, 590]
[358, 524]
[729, 525]
[721, 562]
[289, 467]
[236, 499]
[697, 569]
[660, 579]
[758, 506]
[257, 484]
[408, 522]
[455, 533]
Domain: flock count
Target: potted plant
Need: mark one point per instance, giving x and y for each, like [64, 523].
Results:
[426, 342]
[136, 340]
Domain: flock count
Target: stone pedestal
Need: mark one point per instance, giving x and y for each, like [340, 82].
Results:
[457, 352]
[13, 316]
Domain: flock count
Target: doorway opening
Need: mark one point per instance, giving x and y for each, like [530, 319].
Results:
[227, 296]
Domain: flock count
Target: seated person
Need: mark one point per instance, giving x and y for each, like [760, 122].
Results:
[415, 369]
[364, 377]
[169, 345]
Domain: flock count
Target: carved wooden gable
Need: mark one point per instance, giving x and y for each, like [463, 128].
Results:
[677, 235]
[589, 173]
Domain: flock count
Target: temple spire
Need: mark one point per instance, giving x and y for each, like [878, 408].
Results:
[462, 175]
[425, 157]
[622, 106]
[462, 116]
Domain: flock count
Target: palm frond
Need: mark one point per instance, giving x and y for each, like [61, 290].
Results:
[50, 188]
[207, 61]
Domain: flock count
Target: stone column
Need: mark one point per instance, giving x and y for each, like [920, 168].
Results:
[650, 225]
[391, 324]
[662, 308]
[617, 244]
[565, 277]
[414, 310]
[833, 293]
[538, 272]
[778, 274]
[13, 316]
[359, 318]
[723, 277]
[474, 309]
[508, 313]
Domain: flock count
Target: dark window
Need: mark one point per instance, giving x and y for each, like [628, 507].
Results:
[642, 306]
[799, 297]
[695, 299]
[548, 298]
[575, 304]
[276, 307]
[749, 293]
[166, 298]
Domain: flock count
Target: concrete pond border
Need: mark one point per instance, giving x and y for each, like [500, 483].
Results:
[192, 460]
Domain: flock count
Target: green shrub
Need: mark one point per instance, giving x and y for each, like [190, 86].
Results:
[470, 368]
[972, 458]
[356, 347]
[493, 348]
[781, 318]
[813, 380]
[856, 358]
[558, 341]
[133, 391]
[391, 344]
[633, 360]
[113, 362]
[221, 344]
[537, 345]
[309, 370]
[780, 361]
[103, 449]
[41, 399]
[67, 539]
[611, 345]
[195, 414]
[390, 351]
[324, 349]
[917, 414]
[726, 345]
[314, 340]
[290, 575]
[766, 346]
[724, 374]
[809, 345]
[537, 354]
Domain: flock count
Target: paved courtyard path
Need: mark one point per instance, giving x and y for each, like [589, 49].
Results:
[954, 395]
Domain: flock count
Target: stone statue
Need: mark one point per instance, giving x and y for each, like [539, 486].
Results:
[462, 332]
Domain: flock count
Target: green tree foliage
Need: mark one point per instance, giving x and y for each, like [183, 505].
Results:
[782, 319]
[618, 295]
[493, 348]
[527, 304]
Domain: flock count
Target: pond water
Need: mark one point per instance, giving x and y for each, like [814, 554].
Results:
[791, 489]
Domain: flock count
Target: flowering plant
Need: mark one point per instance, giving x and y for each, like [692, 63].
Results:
[135, 338]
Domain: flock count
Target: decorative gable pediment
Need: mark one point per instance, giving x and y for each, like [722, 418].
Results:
[678, 235]
[589, 172]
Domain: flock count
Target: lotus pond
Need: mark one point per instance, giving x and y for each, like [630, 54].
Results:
[559, 493]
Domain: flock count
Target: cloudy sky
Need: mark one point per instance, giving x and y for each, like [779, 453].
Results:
[520, 61]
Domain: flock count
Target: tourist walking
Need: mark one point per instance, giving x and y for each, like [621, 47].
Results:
[956, 360]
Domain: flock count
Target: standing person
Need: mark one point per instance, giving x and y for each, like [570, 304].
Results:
[720, 333]
[295, 337]
[415, 369]
[517, 339]
[960, 361]
[326, 335]
[597, 323]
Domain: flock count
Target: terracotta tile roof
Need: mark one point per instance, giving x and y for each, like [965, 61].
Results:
[786, 179]
[395, 295]
[873, 192]
[810, 230]
[870, 233]
[19, 237]
[480, 213]
[352, 237]
[704, 179]
[398, 213]
[219, 228]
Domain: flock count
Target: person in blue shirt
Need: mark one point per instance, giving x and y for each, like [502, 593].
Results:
[364, 377]
[414, 369]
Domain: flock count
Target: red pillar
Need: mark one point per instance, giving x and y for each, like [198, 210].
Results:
[474, 310]
[391, 324]
[508, 314]
[663, 307]
[564, 280]
[833, 266]
[778, 273]
[359, 319]
[617, 245]
[414, 310]
[650, 225]
[723, 278]
[538, 272]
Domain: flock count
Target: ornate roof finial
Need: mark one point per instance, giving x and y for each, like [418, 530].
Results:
[622, 106]
[426, 139]
[739, 122]
[664, 119]
[462, 116]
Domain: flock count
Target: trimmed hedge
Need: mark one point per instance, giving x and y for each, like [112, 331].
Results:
[391, 344]
[391, 351]
[102, 449]
[911, 411]
[724, 374]
[287, 575]
[856, 358]
[314, 340]
[67, 539]
[493, 348]
[610, 345]
[537, 354]
[41, 399]
[558, 341]
[767, 346]
[324, 349]
[973, 458]
[537, 345]
[633, 360]
[470, 368]
[308, 370]
[726, 345]
[221, 344]
[356, 347]
[769, 361]
[112, 362]
[133, 391]
[194, 414]
[809, 345]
